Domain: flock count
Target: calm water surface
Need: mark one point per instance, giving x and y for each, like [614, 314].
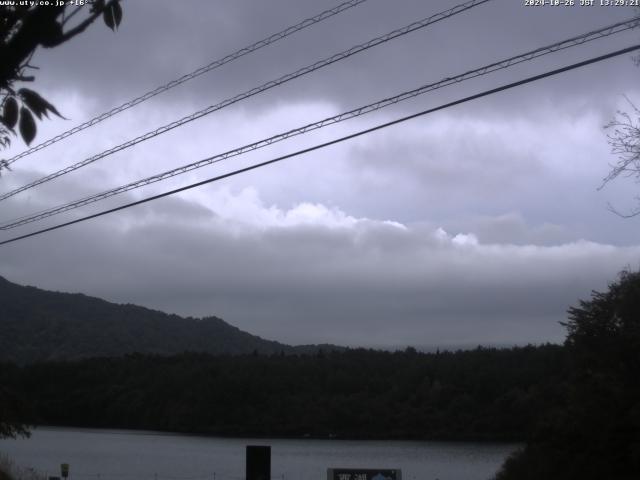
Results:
[125, 455]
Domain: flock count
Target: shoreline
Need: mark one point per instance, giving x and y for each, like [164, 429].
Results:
[129, 431]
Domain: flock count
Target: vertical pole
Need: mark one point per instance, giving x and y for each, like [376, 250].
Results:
[258, 464]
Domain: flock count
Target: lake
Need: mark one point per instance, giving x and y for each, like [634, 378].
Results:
[124, 455]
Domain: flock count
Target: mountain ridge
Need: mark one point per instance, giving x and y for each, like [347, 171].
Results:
[39, 325]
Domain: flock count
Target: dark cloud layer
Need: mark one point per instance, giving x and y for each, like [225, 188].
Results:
[159, 41]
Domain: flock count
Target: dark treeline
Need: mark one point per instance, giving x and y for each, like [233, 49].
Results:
[495, 394]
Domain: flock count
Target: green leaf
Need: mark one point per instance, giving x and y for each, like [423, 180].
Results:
[27, 126]
[117, 13]
[112, 15]
[37, 104]
[10, 113]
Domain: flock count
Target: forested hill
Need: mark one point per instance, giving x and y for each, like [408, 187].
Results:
[39, 325]
[477, 394]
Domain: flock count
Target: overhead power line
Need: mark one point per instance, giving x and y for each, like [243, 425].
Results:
[332, 142]
[502, 64]
[254, 91]
[196, 73]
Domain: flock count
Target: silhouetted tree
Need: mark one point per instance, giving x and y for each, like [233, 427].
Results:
[597, 434]
[24, 28]
[624, 139]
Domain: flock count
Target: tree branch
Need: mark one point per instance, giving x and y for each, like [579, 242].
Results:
[81, 27]
[39, 26]
[71, 15]
[633, 213]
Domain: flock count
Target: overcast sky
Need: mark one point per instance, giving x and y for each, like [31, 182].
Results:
[479, 224]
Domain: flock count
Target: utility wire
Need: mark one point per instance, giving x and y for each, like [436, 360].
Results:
[254, 91]
[196, 73]
[506, 63]
[332, 142]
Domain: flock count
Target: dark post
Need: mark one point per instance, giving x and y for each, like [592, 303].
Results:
[258, 462]
[64, 470]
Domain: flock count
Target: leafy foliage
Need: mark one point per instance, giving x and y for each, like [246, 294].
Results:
[37, 104]
[24, 27]
[32, 103]
[597, 435]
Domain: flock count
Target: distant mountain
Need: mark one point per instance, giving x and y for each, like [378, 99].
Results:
[40, 325]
